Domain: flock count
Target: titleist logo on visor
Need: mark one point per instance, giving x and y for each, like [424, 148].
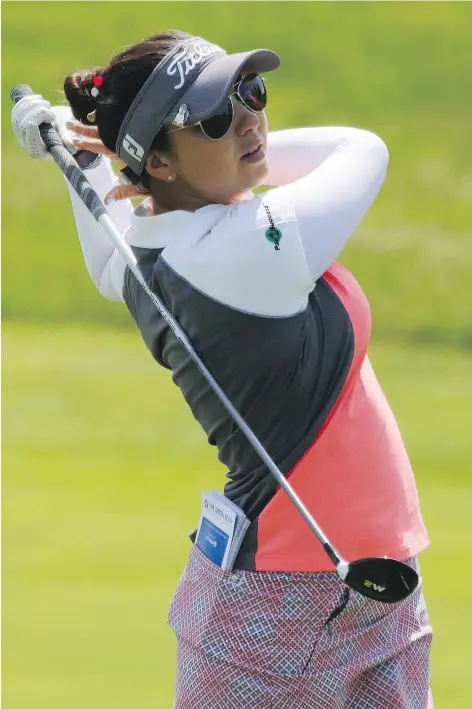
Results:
[185, 61]
[159, 96]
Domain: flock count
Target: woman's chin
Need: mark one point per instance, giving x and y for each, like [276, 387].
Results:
[257, 175]
[261, 180]
[264, 168]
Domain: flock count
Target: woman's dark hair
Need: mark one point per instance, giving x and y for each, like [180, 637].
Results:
[122, 80]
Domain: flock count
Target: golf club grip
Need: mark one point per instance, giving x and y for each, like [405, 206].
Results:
[64, 159]
[20, 91]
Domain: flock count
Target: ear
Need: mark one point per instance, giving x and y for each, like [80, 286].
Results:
[159, 167]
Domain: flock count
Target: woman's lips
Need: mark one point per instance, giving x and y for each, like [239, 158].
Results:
[255, 156]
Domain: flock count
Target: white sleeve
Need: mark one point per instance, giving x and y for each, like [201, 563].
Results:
[330, 177]
[238, 263]
[104, 264]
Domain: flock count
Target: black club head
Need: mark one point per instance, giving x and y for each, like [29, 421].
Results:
[383, 579]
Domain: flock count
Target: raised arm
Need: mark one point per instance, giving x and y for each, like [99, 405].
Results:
[100, 257]
[330, 177]
[99, 254]
[263, 255]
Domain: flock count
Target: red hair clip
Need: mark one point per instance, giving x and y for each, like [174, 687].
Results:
[97, 81]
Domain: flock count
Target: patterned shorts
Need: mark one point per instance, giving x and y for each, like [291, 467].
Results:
[292, 640]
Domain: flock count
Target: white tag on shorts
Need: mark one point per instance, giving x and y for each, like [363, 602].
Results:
[221, 529]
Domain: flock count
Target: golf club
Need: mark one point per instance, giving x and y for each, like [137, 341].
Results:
[380, 578]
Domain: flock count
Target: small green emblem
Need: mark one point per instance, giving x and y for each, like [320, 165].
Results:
[274, 235]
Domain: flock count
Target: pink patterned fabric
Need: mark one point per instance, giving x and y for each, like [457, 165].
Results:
[264, 640]
[358, 459]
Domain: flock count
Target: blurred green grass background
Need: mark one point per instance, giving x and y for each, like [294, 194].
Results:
[102, 463]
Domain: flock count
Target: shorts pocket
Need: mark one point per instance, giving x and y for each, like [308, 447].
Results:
[263, 621]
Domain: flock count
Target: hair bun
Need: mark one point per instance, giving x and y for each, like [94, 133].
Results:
[78, 88]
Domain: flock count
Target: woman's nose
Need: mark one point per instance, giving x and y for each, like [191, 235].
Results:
[244, 119]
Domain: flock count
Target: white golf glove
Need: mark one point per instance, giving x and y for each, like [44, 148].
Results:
[29, 113]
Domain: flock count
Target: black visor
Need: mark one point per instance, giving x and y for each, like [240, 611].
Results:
[188, 85]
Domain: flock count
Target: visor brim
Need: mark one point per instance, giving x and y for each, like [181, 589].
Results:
[213, 84]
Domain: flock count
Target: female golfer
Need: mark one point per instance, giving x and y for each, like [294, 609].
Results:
[254, 282]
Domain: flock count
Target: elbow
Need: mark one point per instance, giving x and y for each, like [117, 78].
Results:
[110, 294]
[111, 282]
[383, 158]
[384, 155]
[108, 289]
[369, 149]
[378, 151]
[374, 155]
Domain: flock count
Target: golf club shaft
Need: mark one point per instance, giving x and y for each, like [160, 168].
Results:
[130, 259]
[93, 203]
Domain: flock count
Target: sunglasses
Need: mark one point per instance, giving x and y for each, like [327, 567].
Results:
[250, 92]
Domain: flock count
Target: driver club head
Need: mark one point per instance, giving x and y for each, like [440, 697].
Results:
[381, 578]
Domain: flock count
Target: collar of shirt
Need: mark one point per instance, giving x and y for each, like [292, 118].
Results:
[158, 230]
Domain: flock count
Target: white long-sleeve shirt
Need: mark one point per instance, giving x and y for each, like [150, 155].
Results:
[326, 180]
[288, 347]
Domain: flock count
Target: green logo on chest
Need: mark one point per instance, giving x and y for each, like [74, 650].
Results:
[274, 235]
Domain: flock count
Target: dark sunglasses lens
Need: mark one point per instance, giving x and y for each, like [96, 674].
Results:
[219, 124]
[252, 92]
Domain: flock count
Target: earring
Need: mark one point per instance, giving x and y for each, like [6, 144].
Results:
[170, 178]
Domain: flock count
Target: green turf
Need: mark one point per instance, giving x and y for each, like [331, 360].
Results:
[400, 69]
[102, 470]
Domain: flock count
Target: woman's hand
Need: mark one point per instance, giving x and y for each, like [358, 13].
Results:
[31, 112]
[87, 139]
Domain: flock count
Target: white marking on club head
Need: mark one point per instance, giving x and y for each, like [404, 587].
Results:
[404, 582]
[342, 568]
